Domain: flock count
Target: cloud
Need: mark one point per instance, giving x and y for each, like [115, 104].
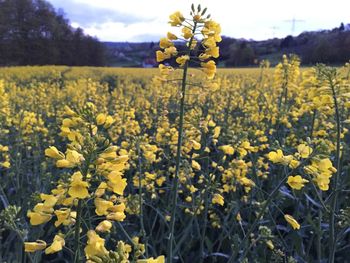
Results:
[139, 20]
[136, 32]
[87, 15]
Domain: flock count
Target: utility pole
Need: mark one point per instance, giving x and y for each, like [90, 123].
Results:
[293, 23]
[274, 28]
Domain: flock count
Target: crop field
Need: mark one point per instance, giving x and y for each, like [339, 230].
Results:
[177, 164]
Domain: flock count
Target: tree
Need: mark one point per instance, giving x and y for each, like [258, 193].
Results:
[241, 54]
[32, 33]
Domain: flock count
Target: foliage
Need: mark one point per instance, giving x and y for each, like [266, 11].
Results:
[32, 33]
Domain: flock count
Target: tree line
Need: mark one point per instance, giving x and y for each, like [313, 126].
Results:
[33, 33]
[326, 46]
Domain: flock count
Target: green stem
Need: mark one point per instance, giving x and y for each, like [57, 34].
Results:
[178, 155]
[77, 233]
[313, 123]
[142, 225]
[79, 214]
[206, 206]
[332, 232]
[319, 236]
[256, 222]
[178, 159]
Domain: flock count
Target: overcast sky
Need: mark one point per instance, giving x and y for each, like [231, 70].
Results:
[146, 20]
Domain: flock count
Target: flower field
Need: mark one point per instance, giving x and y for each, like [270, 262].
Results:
[91, 168]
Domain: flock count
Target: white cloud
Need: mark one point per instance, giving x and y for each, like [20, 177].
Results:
[247, 19]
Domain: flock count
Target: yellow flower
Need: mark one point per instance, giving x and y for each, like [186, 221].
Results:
[102, 206]
[213, 51]
[218, 199]
[304, 150]
[213, 29]
[95, 245]
[49, 200]
[101, 119]
[165, 70]
[193, 189]
[160, 56]
[196, 165]
[101, 189]
[4, 148]
[209, 42]
[57, 245]
[69, 111]
[170, 51]
[246, 182]
[38, 216]
[110, 155]
[109, 122]
[217, 131]
[187, 33]
[160, 259]
[323, 181]
[294, 163]
[5, 164]
[227, 149]
[278, 157]
[188, 199]
[150, 176]
[73, 158]
[62, 216]
[116, 182]
[171, 36]
[294, 223]
[195, 145]
[165, 43]
[176, 19]
[209, 68]
[104, 226]
[117, 216]
[117, 208]
[52, 152]
[34, 246]
[203, 56]
[296, 182]
[321, 170]
[78, 187]
[160, 180]
[182, 60]
[325, 165]
[270, 244]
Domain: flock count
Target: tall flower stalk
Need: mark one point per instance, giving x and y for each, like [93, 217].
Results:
[196, 25]
[330, 76]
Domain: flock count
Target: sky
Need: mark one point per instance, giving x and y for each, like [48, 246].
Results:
[146, 20]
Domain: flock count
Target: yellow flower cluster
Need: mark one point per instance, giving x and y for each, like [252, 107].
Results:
[190, 28]
[94, 157]
[321, 169]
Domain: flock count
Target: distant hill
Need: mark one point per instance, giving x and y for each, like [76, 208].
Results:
[326, 46]
[124, 54]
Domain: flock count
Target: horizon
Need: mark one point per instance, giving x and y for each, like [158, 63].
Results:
[267, 20]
